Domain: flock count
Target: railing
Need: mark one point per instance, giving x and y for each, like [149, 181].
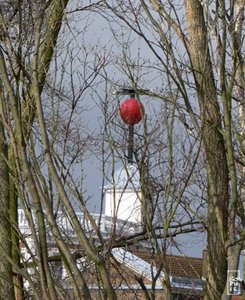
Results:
[104, 222]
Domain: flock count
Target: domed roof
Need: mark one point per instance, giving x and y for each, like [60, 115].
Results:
[126, 177]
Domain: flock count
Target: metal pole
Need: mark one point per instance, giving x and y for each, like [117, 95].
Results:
[131, 135]
[130, 143]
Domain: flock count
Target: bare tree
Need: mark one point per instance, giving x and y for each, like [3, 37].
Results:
[196, 53]
[41, 182]
[18, 21]
[199, 44]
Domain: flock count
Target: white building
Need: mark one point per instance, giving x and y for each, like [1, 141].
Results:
[122, 206]
[123, 195]
[123, 212]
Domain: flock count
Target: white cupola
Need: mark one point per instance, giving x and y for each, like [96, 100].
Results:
[123, 195]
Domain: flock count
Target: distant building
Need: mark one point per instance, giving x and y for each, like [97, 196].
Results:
[123, 195]
[136, 269]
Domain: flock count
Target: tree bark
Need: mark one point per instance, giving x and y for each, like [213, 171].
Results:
[214, 150]
[6, 275]
[9, 197]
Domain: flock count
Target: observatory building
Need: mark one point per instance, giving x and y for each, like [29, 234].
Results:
[123, 195]
[122, 218]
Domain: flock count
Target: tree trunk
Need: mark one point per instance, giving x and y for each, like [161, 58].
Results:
[6, 275]
[233, 254]
[214, 150]
[13, 212]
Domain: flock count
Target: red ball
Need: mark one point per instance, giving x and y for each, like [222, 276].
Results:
[131, 111]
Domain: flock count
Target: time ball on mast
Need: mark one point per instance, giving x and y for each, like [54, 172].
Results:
[131, 112]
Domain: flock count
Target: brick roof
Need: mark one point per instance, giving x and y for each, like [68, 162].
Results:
[179, 266]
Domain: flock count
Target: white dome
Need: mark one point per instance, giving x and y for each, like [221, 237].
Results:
[127, 177]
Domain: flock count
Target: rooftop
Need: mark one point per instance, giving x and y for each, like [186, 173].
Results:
[179, 266]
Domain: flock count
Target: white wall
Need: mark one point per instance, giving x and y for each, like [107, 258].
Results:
[124, 205]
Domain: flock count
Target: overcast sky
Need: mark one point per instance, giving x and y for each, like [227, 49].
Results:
[98, 38]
